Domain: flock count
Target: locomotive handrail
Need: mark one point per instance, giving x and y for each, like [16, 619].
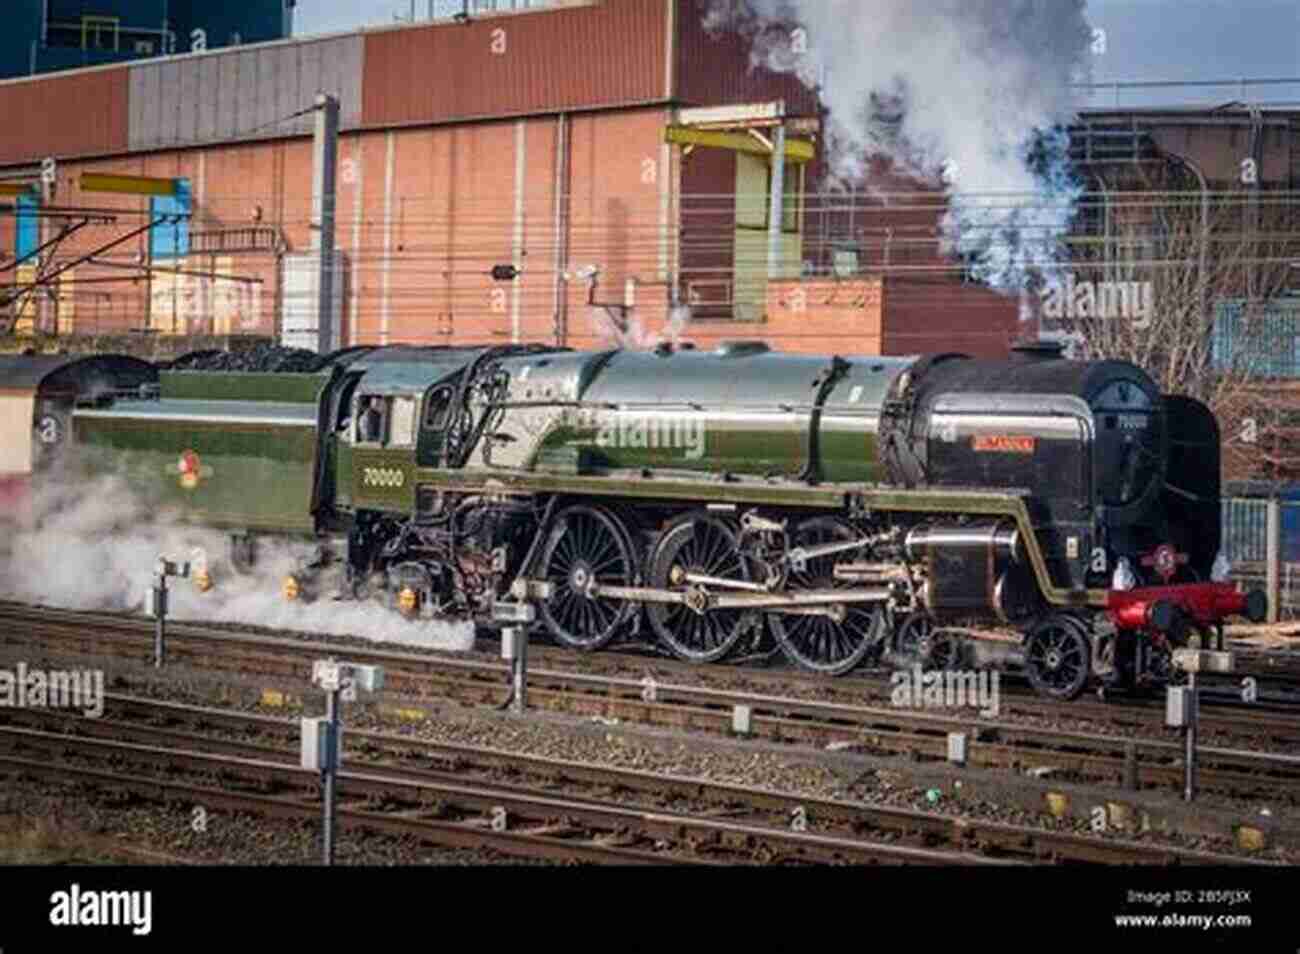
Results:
[837, 409]
[507, 405]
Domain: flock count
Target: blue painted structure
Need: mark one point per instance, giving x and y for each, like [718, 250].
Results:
[42, 36]
[171, 240]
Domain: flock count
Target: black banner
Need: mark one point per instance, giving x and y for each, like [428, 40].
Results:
[1033, 909]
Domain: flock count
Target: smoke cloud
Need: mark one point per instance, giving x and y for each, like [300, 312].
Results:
[970, 94]
[92, 544]
[636, 337]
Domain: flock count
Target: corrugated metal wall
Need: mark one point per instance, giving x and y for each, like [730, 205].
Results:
[71, 115]
[242, 93]
[606, 54]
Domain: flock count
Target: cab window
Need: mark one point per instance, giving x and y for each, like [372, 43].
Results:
[386, 421]
[401, 428]
[438, 410]
[371, 419]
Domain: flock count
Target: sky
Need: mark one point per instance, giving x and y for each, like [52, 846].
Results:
[1142, 40]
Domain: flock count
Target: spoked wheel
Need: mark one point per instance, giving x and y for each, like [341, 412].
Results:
[706, 546]
[586, 546]
[826, 644]
[1058, 657]
[920, 639]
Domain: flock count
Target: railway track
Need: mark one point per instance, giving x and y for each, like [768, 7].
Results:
[1270, 720]
[1143, 759]
[548, 808]
[512, 820]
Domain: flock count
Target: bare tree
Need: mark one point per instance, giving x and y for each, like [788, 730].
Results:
[1191, 286]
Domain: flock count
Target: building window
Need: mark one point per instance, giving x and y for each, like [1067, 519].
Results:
[171, 238]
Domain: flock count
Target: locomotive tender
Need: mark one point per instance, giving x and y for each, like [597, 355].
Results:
[833, 502]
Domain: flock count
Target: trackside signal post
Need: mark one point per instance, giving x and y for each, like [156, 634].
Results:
[514, 645]
[158, 598]
[1182, 705]
[322, 738]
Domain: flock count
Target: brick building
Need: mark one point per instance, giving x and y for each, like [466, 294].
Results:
[536, 138]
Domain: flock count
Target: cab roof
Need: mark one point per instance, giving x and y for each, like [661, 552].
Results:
[87, 376]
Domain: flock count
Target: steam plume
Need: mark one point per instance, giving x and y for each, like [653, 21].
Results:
[636, 337]
[974, 94]
[93, 544]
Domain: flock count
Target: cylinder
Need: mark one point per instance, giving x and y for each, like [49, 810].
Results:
[971, 568]
[1002, 538]
[1015, 596]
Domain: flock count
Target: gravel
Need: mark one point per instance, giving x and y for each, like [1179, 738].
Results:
[221, 837]
[796, 772]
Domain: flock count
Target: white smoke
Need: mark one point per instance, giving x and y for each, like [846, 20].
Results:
[968, 93]
[635, 336]
[92, 544]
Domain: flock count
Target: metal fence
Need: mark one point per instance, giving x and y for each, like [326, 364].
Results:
[1246, 545]
[1245, 530]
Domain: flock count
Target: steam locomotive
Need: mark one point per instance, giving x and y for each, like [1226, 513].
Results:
[838, 506]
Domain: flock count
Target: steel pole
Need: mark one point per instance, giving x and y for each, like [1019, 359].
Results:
[1189, 775]
[160, 621]
[332, 714]
[521, 672]
[776, 214]
[325, 152]
[1273, 558]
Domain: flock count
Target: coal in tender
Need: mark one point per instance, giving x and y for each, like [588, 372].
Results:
[262, 359]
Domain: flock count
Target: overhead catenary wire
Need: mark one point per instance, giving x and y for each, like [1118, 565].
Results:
[437, 260]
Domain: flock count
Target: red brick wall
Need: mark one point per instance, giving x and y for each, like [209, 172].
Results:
[422, 234]
[925, 316]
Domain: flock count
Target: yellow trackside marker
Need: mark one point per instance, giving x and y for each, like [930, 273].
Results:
[1251, 839]
[272, 697]
[407, 715]
[1120, 815]
[290, 588]
[203, 581]
[1057, 804]
[406, 601]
